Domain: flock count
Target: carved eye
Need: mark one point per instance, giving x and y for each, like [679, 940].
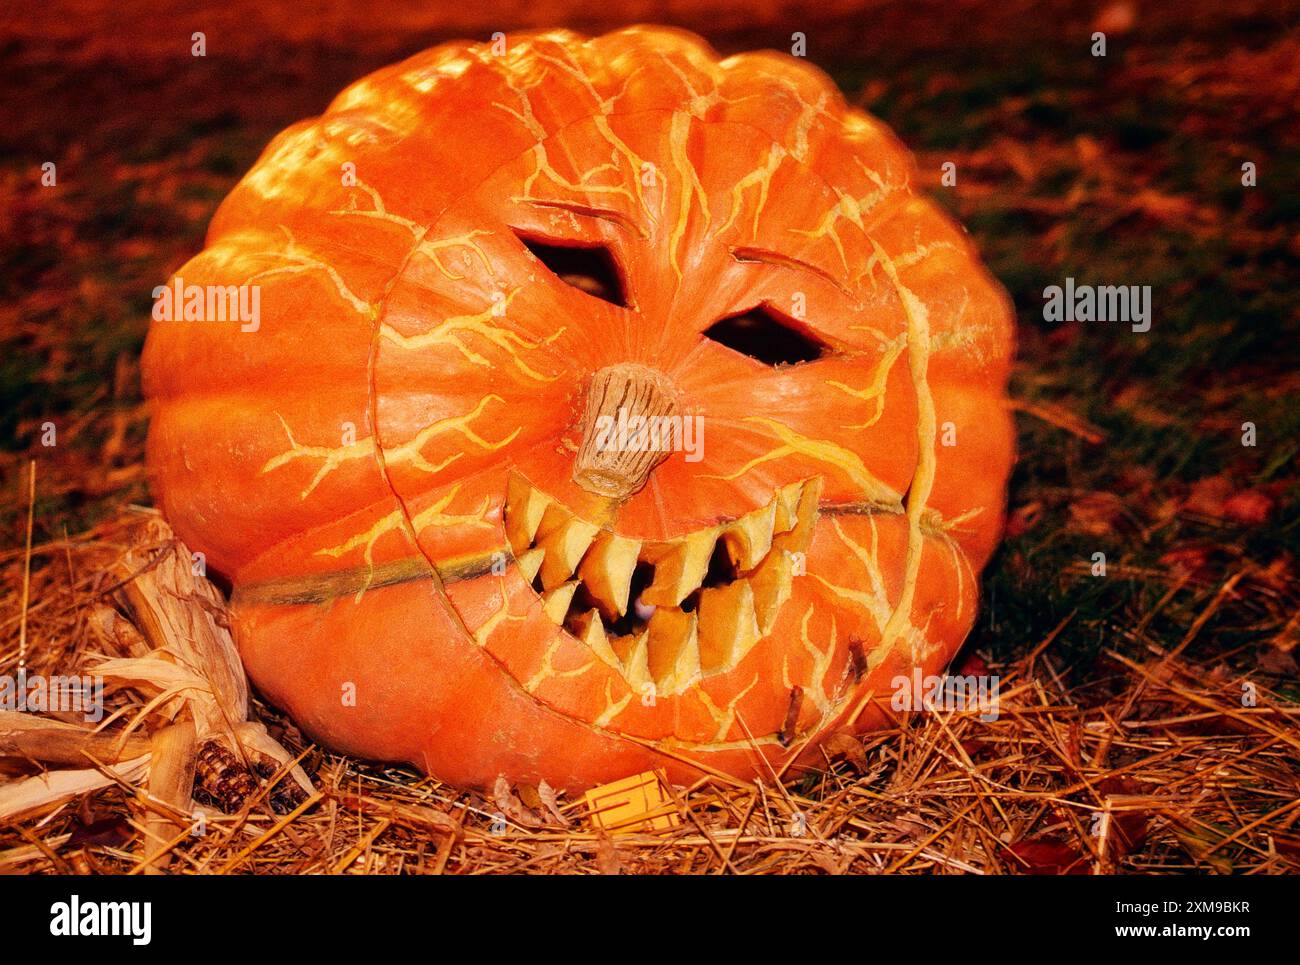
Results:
[592, 270]
[763, 335]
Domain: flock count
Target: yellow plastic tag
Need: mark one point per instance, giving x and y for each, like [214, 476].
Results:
[636, 803]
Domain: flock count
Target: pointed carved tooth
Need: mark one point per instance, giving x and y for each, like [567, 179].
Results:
[565, 538]
[680, 566]
[591, 631]
[806, 513]
[750, 537]
[622, 646]
[556, 602]
[673, 656]
[633, 654]
[529, 562]
[771, 585]
[525, 507]
[606, 571]
[787, 507]
[728, 627]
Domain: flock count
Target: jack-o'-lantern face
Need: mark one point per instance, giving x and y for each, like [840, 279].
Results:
[677, 425]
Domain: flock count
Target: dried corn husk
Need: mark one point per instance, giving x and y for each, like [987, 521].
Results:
[183, 660]
[192, 664]
[171, 783]
[51, 741]
[193, 667]
[53, 786]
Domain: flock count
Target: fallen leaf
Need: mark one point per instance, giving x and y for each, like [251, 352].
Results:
[1191, 561]
[511, 806]
[607, 860]
[1250, 507]
[1116, 18]
[844, 744]
[1279, 662]
[529, 796]
[106, 832]
[1220, 497]
[1046, 856]
[546, 794]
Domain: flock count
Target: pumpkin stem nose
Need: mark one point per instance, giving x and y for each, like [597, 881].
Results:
[627, 429]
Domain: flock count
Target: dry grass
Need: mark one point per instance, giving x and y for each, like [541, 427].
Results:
[1166, 772]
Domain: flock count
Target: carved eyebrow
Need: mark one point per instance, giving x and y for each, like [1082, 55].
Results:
[589, 211]
[763, 256]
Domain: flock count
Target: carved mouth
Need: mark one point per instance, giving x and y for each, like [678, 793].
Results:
[667, 612]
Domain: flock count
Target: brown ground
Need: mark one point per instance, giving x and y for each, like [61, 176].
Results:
[1123, 742]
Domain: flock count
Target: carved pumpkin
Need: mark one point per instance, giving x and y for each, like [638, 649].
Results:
[611, 407]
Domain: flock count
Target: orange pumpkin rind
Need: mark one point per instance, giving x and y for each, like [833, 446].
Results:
[431, 559]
